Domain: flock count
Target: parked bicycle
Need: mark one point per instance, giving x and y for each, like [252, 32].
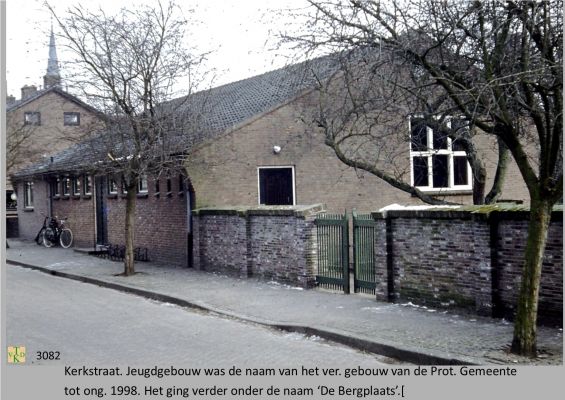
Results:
[39, 237]
[55, 232]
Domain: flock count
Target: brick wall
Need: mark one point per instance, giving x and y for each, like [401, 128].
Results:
[160, 222]
[80, 214]
[268, 242]
[510, 247]
[465, 260]
[30, 219]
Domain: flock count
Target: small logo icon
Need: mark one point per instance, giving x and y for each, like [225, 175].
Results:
[16, 354]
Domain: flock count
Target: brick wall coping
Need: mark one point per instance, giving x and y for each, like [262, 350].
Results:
[243, 211]
[476, 213]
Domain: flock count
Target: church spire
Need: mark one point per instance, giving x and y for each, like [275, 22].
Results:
[52, 77]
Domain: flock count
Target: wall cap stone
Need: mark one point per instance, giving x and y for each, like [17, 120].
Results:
[475, 213]
[299, 211]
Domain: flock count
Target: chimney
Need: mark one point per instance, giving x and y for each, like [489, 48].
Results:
[10, 100]
[28, 91]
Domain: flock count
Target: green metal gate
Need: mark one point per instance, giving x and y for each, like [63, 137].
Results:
[333, 251]
[363, 253]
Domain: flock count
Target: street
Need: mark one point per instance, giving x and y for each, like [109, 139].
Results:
[91, 324]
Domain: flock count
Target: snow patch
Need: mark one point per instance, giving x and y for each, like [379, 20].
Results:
[395, 206]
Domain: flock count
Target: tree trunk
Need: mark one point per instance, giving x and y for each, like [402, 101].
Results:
[524, 341]
[500, 176]
[129, 262]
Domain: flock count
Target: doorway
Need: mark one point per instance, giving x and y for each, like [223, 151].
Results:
[101, 211]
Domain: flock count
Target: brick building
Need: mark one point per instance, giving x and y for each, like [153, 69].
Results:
[255, 146]
[41, 123]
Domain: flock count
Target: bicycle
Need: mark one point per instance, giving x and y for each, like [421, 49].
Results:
[57, 232]
[39, 237]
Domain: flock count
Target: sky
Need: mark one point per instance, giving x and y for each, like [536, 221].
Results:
[238, 32]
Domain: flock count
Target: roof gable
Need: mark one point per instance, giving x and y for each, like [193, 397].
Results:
[53, 89]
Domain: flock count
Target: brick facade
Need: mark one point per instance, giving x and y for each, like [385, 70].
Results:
[161, 218]
[268, 242]
[464, 260]
[230, 162]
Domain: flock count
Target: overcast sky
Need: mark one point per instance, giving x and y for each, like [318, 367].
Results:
[237, 32]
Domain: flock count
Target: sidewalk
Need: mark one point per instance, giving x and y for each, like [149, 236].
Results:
[403, 331]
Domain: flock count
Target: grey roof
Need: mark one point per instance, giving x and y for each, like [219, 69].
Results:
[55, 89]
[226, 107]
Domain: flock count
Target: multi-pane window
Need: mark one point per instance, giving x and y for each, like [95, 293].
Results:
[87, 184]
[112, 186]
[75, 182]
[32, 118]
[71, 118]
[437, 161]
[28, 194]
[55, 185]
[66, 186]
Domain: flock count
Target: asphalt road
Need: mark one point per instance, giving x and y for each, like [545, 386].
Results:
[90, 324]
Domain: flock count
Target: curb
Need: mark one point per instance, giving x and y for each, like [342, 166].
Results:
[399, 353]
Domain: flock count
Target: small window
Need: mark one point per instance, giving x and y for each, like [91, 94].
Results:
[66, 186]
[55, 188]
[76, 186]
[112, 186]
[181, 183]
[28, 194]
[142, 184]
[32, 118]
[87, 184]
[276, 186]
[71, 118]
[157, 185]
[169, 185]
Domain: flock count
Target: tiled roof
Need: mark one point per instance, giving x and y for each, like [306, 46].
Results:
[19, 103]
[227, 107]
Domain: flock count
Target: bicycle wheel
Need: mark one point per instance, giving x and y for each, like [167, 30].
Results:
[66, 238]
[49, 237]
[39, 237]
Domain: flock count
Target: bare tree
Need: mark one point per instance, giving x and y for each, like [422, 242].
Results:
[18, 151]
[497, 66]
[130, 66]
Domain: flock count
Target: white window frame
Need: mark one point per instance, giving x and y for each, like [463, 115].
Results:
[429, 153]
[75, 185]
[112, 189]
[276, 167]
[66, 186]
[87, 184]
[28, 194]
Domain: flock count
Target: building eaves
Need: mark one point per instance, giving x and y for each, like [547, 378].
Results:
[52, 89]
